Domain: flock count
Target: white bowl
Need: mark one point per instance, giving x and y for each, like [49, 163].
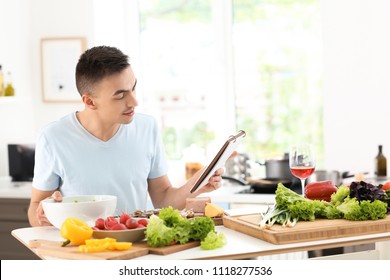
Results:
[87, 208]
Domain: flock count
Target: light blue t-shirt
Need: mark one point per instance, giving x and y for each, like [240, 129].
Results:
[69, 158]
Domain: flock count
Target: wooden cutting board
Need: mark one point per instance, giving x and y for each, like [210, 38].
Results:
[54, 249]
[305, 231]
[166, 250]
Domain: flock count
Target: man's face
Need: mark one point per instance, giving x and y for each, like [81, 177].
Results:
[115, 97]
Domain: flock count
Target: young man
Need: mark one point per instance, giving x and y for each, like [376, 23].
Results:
[107, 148]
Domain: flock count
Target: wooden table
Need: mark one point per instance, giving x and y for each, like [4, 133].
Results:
[239, 245]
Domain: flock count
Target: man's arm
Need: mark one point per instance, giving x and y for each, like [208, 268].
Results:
[163, 194]
[36, 216]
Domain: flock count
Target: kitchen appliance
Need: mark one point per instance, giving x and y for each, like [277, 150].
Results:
[21, 161]
[277, 167]
[238, 170]
[335, 176]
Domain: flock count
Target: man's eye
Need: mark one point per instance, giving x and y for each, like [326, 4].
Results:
[120, 96]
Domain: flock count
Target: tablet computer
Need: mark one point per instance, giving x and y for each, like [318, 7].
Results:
[220, 158]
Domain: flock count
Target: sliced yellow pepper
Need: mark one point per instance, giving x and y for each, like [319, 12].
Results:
[96, 245]
[99, 245]
[75, 231]
[98, 242]
[120, 246]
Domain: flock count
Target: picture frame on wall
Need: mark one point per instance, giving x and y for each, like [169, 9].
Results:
[59, 57]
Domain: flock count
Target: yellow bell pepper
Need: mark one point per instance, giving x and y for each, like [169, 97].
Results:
[99, 245]
[120, 246]
[75, 231]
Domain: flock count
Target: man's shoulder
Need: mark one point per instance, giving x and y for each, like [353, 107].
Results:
[145, 120]
[144, 117]
[57, 125]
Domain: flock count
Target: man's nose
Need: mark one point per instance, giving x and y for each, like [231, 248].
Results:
[132, 100]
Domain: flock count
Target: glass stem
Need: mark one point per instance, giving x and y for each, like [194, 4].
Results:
[303, 186]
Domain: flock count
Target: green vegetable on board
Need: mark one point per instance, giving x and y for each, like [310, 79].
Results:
[291, 207]
[169, 227]
[213, 241]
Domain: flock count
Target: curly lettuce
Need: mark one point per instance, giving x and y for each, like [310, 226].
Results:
[169, 227]
[158, 234]
[200, 227]
[213, 241]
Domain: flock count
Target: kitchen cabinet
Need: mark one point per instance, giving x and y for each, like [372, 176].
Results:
[13, 214]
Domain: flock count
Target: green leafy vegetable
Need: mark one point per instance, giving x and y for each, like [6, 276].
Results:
[170, 216]
[303, 210]
[286, 197]
[300, 208]
[274, 214]
[200, 227]
[338, 197]
[213, 240]
[158, 234]
[361, 202]
[363, 210]
[170, 227]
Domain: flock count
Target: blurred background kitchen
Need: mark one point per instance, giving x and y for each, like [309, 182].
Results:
[284, 71]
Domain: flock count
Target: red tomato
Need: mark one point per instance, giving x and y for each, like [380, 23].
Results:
[109, 222]
[143, 222]
[99, 223]
[123, 218]
[118, 227]
[386, 186]
[131, 223]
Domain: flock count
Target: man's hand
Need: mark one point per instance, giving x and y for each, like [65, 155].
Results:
[215, 181]
[40, 214]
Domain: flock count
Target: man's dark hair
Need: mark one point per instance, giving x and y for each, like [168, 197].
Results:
[97, 63]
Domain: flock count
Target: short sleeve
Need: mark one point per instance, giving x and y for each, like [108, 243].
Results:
[45, 177]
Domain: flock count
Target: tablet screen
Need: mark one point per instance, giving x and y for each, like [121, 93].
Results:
[220, 158]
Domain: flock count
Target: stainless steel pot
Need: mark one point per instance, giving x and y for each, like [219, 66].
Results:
[326, 175]
[278, 168]
[333, 175]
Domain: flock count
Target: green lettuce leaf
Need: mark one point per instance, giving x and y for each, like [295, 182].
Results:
[213, 241]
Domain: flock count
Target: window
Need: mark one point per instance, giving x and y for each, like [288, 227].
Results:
[278, 69]
[207, 68]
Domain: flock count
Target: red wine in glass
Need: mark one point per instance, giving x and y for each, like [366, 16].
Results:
[302, 172]
[302, 162]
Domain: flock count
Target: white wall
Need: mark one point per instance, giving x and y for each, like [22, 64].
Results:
[356, 83]
[16, 115]
[24, 23]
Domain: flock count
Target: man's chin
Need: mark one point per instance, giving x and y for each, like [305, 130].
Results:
[127, 120]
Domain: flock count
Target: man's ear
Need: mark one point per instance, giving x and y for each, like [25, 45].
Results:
[88, 101]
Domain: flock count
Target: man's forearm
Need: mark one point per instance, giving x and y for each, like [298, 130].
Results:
[32, 214]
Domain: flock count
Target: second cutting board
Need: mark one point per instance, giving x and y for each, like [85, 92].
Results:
[305, 231]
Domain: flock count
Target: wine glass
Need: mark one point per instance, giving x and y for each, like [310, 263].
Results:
[302, 162]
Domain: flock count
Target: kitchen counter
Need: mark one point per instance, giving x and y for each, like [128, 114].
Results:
[17, 190]
[239, 245]
[228, 193]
